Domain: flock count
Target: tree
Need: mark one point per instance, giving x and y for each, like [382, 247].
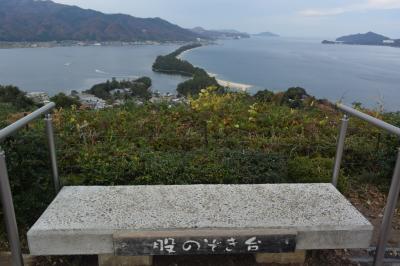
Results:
[264, 96]
[196, 84]
[14, 96]
[145, 80]
[294, 97]
[140, 88]
[63, 101]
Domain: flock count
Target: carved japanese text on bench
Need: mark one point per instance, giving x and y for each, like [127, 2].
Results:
[208, 242]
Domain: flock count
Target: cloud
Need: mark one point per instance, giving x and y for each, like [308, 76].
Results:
[367, 5]
[322, 12]
[384, 4]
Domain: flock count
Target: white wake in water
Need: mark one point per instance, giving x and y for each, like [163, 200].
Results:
[100, 71]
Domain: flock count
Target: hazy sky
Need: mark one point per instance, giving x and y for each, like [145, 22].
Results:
[319, 18]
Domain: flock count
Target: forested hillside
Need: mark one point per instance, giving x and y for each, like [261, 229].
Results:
[29, 20]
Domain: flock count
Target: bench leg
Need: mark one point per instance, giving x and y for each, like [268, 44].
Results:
[297, 257]
[111, 260]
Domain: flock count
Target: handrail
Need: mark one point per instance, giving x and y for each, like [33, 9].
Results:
[7, 131]
[5, 189]
[394, 191]
[372, 120]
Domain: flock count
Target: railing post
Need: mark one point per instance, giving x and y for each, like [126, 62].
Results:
[9, 213]
[339, 150]
[388, 215]
[52, 148]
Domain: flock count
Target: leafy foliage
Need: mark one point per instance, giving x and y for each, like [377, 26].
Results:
[199, 81]
[15, 97]
[264, 96]
[63, 101]
[6, 109]
[312, 170]
[294, 97]
[29, 172]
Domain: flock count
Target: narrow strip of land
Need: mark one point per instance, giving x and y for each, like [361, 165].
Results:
[200, 79]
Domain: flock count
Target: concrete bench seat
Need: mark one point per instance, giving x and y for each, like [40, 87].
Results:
[86, 220]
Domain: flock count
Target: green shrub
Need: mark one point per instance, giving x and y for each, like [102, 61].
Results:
[63, 101]
[252, 167]
[17, 98]
[313, 170]
[6, 109]
[29, 173]
[294, 97]
[204, 166]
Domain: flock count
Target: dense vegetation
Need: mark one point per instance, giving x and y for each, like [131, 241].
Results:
[216, 138]
[13, 96]
[29, 20]
[64, 101]
[123, 90]
[200, 80]
[171, 64]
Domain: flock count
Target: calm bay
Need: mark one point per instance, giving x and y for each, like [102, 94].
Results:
[366, 74]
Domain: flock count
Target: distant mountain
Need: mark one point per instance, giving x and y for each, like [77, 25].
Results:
[266, 34]
[220, 34]
[369, 38]
[43, 20]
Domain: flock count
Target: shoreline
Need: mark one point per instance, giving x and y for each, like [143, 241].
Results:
[180, 56]
[221, 82]
[231, 84]
[234, 85]
[224, 83]
[55, 44]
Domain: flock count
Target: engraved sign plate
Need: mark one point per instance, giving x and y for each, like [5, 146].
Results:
[204, 242]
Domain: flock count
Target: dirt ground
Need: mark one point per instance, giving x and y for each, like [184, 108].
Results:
[318, 258]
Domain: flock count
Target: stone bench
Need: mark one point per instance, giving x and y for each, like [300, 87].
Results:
[198, 219]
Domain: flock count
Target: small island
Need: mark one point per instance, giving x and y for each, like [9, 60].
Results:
[266, 34]
[369, 38]
[328, 42]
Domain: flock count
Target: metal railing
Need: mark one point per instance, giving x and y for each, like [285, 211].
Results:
[5, 189]
[394, 186]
